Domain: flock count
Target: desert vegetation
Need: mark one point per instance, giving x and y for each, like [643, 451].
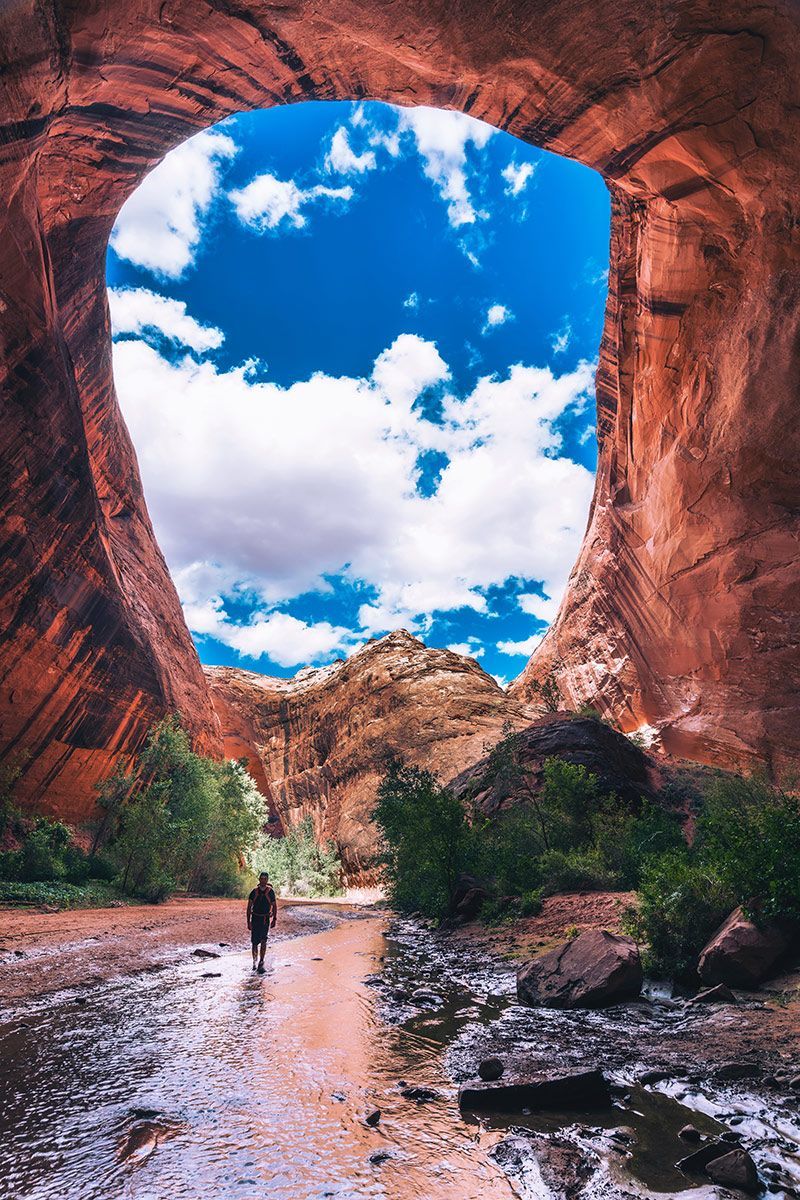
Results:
[175, 821]
[562, 833]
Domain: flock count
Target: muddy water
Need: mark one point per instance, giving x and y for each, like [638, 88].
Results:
[208, 1081]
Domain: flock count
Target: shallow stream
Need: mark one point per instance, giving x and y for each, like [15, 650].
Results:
[205, 1080]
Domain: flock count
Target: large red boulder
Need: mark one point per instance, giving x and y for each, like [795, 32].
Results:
[594, 969]
[741, 953]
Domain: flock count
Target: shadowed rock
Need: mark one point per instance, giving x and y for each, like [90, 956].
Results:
[741, 953]
[576, 1089]
[596, 968]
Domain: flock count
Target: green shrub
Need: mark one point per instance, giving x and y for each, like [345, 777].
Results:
[680, 903]
[43, 854]
[427, 842]
[574, 871]
[531, 903]
[298, 866]
[750, 832]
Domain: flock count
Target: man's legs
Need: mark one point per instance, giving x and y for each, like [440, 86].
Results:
[255, 955]
[263, 951]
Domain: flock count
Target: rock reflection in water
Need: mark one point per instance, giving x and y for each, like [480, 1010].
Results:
[238, 1086]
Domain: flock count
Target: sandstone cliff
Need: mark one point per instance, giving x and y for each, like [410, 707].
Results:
[684, 608]
[316, 741]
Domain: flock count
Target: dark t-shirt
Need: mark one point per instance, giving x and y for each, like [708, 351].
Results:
[262, 901]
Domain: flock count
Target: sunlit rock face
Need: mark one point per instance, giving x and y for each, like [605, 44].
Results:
[682, 612]
[318, 742]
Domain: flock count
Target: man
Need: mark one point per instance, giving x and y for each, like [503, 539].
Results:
[262, 913]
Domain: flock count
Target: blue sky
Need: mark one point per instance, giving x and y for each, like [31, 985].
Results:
[355, 348]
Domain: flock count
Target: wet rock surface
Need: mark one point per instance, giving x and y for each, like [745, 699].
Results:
[631, 1146]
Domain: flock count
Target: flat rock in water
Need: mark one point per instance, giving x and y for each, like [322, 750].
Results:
[595, 969]
[578, 1089]
[697, 1162]
[200, 953]
[421, 1094]
[721, 994]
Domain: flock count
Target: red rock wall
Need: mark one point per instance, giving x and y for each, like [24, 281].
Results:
[319, 740]
[683, 609]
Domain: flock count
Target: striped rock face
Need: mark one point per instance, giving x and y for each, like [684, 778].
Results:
[682, 612]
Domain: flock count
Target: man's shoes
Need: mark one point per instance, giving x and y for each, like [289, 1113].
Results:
[261, 969]
[255, 967]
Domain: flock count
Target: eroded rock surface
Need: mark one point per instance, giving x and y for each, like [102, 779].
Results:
[620, 766]
[318, 741]
[682, 611]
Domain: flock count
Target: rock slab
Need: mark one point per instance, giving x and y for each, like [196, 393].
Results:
[577, 1089]
[595, 969]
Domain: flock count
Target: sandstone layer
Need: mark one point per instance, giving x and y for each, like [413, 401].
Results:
[682, 612]
[317, 742]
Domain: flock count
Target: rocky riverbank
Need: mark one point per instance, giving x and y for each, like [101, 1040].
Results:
[731, 1071]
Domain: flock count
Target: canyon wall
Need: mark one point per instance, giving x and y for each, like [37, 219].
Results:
[682, 612]
[317, 742]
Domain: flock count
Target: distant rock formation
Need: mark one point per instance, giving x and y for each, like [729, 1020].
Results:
[316, 742]
[683, 611]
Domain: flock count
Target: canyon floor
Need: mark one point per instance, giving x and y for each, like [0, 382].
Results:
[132, 1067]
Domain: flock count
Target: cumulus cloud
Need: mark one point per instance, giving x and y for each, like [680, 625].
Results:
[160, 226]
[497, 314]
[411, 301]
[138, 310]
[472, 648]
[266, 201]
[542, 607]
[522, 649]
[517, 177]
[441, 139]
[342, 159]
[265, 492]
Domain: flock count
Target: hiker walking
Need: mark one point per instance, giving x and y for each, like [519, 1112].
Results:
[262, 913]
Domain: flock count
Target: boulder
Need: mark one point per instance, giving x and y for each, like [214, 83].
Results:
[592, 970]
[490, 1069]
[542, 1092]
[741, 953]
[736, 1170]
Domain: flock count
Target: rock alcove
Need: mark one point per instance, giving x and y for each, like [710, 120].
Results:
[682, 610]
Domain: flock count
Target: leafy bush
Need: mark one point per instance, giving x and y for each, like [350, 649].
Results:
[750, 831]
[574, 871]
[679, 905]
[297, 866]
[427, 842]
[60, 893]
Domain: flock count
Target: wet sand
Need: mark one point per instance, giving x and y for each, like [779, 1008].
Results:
[46, 952]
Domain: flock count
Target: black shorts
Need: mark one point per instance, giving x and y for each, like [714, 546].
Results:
[259, 930]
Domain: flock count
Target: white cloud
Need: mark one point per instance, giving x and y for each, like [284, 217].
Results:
[276, 635]
[344, 160]
[160, 225]
[441, 139]
[472, 648]
[497, 314]
[260, 492]
[523, 649]
[563, 338]
[501, 681]
[137, 310]
[517, 177]
[542, 607]
[589, 432]
[266, 201]
[411, 301]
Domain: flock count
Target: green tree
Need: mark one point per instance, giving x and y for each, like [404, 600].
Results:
[427, 842]
[298, 865]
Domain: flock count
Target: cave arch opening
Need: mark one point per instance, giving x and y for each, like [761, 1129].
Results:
[355, 347]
